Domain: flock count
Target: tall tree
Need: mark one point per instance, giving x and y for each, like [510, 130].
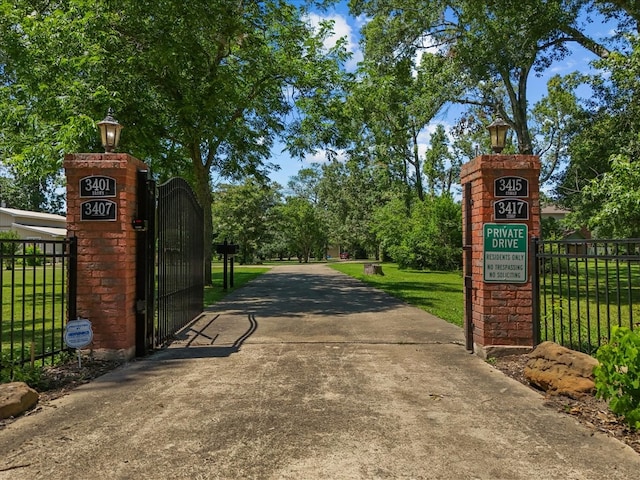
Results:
[304, 227]
[495, 45]
[202, 87]
[243, 213]
[605, 140]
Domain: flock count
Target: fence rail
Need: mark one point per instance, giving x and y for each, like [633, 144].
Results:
[584, 288]
[38, 279]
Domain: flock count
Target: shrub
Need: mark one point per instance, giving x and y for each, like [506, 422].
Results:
[13, 371]
[33, 256]
[8, 249]
[617, 378]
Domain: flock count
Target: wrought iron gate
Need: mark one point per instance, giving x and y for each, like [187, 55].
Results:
[173, 279]
[180, 257]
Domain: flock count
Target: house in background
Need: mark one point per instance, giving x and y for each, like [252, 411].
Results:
[553, 211]
[33, 225]
[558, 214]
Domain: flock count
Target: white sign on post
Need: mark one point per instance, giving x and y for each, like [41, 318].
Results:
[78, 333]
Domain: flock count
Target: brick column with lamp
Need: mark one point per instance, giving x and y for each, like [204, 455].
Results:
[101, 203]
[501, 213]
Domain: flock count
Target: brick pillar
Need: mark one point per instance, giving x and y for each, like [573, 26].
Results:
[501, 307]
[101, 220]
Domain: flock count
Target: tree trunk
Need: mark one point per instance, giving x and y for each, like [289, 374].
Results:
[205, 197]
[416, 164]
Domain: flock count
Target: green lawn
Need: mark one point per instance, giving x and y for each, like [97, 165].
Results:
[580, 301]
[439, 293]
[33, 310]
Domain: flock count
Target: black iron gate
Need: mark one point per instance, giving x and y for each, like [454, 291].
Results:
[180, 257]
[171, 285]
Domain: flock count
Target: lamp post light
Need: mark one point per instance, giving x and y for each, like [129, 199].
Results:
[498, 131]
[110, 132]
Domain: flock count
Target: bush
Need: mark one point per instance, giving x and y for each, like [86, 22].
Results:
[33, 256]
[617, 378]
[431, 238]
[8, 249]
[13, 371]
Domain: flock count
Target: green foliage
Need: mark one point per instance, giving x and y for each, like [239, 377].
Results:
[430, 238]
[617, 377]
[304, 226]
[13, 371]
[601, 181]
[33, 256]
[551, 229]
[617, 194]
[348, 194]
[244, 214]
[8, 249]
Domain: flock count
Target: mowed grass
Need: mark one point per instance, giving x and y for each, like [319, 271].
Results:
[241, 275]
[580, 303]
[33, 309]
[439, 293]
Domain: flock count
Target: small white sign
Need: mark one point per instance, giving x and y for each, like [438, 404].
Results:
[78, 333]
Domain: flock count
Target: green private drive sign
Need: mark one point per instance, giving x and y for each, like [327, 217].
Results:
[505, 253]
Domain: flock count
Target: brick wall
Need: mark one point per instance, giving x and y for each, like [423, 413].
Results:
[501, 313]
[106, 253]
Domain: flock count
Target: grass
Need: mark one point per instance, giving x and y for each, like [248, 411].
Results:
[439, 293]
[33, 310]
[581, 301]
[241, 275]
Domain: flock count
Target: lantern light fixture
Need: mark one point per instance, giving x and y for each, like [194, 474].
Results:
[498, 131]
[110, 132]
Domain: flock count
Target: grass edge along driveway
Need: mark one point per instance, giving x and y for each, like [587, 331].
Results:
[438, 293]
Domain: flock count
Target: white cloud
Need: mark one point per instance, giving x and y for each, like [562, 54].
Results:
[341, 29]
[320, 156]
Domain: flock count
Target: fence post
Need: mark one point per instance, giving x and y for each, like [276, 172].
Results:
[72, 276]
[535, 288]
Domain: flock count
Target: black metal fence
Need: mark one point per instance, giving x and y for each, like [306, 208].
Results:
[180, 251]
[584, 288]
[39, 280]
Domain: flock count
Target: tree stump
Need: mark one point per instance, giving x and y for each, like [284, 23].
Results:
[373, 269]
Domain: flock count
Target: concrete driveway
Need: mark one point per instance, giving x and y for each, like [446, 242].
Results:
[308, 374]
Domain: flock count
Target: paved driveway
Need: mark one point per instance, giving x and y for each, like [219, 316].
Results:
[308, 374]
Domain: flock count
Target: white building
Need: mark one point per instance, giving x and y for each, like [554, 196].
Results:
[34, 226]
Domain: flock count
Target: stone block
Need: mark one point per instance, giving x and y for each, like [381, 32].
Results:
[16, 398]
[559, 370]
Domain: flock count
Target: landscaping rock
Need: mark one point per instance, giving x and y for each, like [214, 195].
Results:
[16, 398]
[559, 370]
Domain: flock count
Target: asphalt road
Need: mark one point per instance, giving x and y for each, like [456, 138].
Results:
[308, 374]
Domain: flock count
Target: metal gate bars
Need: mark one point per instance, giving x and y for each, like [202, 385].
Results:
[170, 261]
[180, 257]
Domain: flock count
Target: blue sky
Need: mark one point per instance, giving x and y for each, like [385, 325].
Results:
[348, 27]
